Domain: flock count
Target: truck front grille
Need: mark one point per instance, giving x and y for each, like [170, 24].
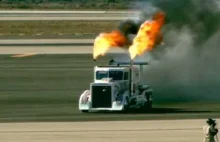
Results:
[101, 97]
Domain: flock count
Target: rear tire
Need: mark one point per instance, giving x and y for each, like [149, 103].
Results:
[148, 104]
[146, 107]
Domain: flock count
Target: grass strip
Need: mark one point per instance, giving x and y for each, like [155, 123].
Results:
[64, 5]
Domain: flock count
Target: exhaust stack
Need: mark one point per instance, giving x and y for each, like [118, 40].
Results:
[94, 64]
[131, 80]
[94, 61]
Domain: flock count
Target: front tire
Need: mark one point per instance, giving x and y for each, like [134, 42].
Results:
[84, 111]
[126, 107]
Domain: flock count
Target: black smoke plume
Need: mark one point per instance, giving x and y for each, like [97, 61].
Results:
[187, 67]
[201, 16]
[129, 26]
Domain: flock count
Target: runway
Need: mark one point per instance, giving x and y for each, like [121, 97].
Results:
[14, 15]
[50, 46]
[44, 41]
[39, 101]
[53, 50]
[118, 131]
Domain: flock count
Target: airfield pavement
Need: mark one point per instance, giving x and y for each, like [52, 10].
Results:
[39, 102]
[117, 131]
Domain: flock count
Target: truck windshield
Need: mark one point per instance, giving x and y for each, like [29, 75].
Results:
[116, 75]
[101, 74]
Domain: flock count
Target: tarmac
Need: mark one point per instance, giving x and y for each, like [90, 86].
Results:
[115, 131]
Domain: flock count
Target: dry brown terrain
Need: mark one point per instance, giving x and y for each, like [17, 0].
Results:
[42, 29]
[117, 131]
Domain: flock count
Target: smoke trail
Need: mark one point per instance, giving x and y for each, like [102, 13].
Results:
[201, 16]
[187, 67]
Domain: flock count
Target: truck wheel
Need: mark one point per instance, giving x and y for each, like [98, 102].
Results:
[149, 105]
[126, 107]
[146, 107]
[84, 111]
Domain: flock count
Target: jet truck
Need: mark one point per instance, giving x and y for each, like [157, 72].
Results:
[117, 87]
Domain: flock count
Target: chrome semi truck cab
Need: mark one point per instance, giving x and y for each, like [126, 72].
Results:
[115, 88]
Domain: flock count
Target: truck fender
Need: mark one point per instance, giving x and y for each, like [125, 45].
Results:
[84, 97]
[146, 91]
[148, 95]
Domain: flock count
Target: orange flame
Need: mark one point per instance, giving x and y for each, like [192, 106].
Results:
[107, 40]
[148, 36]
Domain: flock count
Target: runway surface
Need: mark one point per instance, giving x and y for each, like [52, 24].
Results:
[50, 46]
[117, 131]
[39, 88]
[42, 92]
[58, 49]
[65, 15]
[44, 41]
